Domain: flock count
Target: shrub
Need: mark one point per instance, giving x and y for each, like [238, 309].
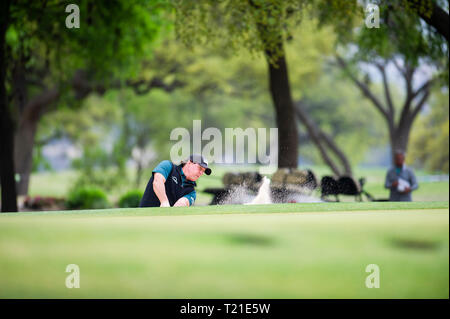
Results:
[131, 199]
[87, 198]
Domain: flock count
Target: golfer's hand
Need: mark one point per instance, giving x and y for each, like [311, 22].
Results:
[395, 184]
[165, 204]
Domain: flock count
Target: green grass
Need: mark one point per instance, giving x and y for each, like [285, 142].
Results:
[316, 250]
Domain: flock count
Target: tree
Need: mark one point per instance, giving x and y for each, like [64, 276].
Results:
[6, 123]
[44, 60]
[263, 21]
[404, 44]
[399, 121]
[261, 26]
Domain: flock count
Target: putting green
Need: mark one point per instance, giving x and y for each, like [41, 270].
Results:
[276, 251]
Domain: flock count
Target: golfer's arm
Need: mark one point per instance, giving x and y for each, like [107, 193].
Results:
[183, 201]
[159, 188]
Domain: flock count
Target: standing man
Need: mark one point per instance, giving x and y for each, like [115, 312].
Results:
[400, 180]
[173, 185]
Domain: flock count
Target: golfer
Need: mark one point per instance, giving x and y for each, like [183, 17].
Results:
[400, 179]
[173, 185]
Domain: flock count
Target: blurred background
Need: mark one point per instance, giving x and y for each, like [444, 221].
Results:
[87, 111]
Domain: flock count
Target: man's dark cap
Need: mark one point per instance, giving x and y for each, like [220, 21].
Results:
[200, 160]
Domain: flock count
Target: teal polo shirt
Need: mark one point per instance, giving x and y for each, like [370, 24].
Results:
[165, 167]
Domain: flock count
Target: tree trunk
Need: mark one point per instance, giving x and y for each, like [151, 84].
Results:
[29, 117]
[314, 134]
[8, 183]
[338, 152]
[325, 144]
[399, 138]
[279, 86]
[285, 112]
[24, 135]
[23, 155]
[438, 18]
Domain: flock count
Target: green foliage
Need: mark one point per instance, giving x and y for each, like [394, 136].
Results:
[341, 15]
[131, 199]
[430, 137]
[424, 7]
[402, 34]
[258, 25]
[39, 161]
[91, 173]
[87, 198]
[111, 35]
[93, 131]
[45, 55]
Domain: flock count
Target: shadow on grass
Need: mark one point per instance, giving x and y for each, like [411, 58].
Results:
[414, 244]
[249, 239]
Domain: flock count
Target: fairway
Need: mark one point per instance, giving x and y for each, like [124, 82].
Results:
[271, 251]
